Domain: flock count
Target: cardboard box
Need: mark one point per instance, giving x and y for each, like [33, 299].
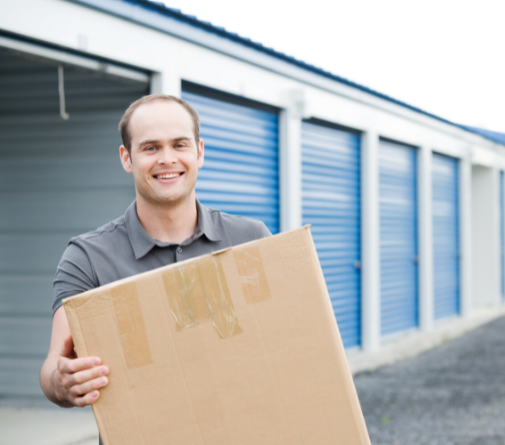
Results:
[236, 347]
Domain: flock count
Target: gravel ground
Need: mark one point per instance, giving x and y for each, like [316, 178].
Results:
[451, 395]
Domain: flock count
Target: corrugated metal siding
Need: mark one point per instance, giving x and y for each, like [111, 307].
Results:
[57, 179]
[398, 237]
[331, 204]
[241, 169]
[502, 234]
[445, 209]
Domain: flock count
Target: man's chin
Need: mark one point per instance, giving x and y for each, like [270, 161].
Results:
[168, 200]
[164, 198]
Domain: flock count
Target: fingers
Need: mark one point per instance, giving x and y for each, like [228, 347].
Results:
[81, 378]
[90, 374]
[87, 399]
[70, 379]
[81, 387]
[71, 366]
[88, 387]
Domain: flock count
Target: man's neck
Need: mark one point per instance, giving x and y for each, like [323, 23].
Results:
[173, 224]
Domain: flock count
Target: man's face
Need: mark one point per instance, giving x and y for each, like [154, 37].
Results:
[164, 158]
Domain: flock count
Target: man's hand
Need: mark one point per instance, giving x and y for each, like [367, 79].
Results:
[77, 380]
[65, 379]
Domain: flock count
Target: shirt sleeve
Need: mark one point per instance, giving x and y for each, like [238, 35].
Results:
[74, 275]
[264, 232]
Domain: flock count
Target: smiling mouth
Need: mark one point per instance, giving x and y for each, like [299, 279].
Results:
[168, 175]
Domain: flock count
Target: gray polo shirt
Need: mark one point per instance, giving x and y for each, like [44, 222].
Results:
[123, 248]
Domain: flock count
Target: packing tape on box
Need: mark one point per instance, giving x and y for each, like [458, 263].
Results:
[197, 292]
[130, 325]
[203, 295]
[252, 274]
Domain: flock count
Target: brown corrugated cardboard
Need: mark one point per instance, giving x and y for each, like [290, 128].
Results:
[236, 347]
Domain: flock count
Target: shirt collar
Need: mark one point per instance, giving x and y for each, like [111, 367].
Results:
[205, 225]
[142, 242]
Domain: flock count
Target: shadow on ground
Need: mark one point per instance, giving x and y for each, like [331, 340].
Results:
[451, 395]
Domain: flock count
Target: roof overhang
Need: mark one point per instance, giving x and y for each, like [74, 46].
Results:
[171, 21]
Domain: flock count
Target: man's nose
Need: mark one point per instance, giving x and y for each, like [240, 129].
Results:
[167, 156]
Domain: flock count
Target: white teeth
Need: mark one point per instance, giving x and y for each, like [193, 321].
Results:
[168, 176]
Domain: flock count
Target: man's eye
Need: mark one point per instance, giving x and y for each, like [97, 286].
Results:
[150, 148]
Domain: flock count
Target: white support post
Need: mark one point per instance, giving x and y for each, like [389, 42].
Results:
[425, 218]
[485, 237]
[290, 162]
[166, 82]
[370, 245]
[465, 236]
[501, 198]
[497, 235]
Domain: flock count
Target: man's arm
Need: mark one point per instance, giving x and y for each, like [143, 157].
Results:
[65, 379]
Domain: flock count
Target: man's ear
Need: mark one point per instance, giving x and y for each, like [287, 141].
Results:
[126, 160]
[201, 150]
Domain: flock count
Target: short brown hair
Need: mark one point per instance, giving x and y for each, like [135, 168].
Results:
[124, 123]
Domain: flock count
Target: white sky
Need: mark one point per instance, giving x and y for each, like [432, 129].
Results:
[446, 57]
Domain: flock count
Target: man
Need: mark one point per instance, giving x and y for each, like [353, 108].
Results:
[165, 224]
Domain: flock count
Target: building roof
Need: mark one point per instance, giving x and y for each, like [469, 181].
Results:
[114, 7]
[488, 134]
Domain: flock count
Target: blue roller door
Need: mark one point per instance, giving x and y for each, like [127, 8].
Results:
[502, 236]
[445, 209]
[331, 203]
[398, 237]
[241, 169]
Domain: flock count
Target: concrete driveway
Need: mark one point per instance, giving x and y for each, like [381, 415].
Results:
[451, 395]
[47, 426]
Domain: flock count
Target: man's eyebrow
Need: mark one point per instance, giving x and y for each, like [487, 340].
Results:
[156, 141]
[149, 141]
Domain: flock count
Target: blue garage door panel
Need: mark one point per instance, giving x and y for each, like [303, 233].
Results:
[241, 169]
[398, 237]
[331, 203]
[445, 210]
[502, 234]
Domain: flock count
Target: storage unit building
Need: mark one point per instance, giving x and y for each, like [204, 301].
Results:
[406, 208]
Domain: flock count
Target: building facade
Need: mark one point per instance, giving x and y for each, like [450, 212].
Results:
[406, 209]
